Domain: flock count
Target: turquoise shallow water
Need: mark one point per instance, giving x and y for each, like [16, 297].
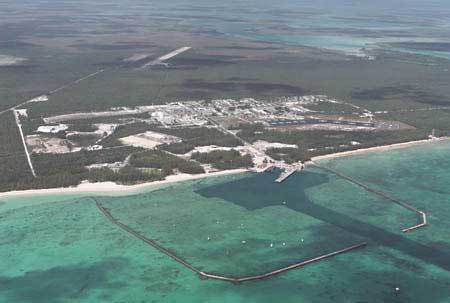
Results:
[345, 26]
[61, 249]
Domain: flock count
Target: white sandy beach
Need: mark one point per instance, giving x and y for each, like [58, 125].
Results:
[113, 188]
[378, 149]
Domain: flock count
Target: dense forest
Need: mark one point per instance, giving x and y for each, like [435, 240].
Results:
[166, 162]
[70, 169]
[60, 170]
[13, 162]
[319, 142]
[74, 163]
[223, 159]
[126, 175]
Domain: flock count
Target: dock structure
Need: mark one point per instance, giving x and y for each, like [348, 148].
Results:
[263, 169]
[422, 215]
[423, 224]
[289, 170]
[206, 275]
[163, 59]
[284, 269]
[286, 174]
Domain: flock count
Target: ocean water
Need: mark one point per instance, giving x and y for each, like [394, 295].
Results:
[340, 25]
[348, 26]
[60, 248]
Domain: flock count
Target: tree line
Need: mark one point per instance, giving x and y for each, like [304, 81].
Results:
[224, 159]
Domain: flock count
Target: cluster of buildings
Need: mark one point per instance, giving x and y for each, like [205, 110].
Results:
[199, 113]
[247, 110]
[284, 112]
[250, 109]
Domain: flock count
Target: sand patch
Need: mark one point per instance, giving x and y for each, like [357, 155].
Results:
[149, 140]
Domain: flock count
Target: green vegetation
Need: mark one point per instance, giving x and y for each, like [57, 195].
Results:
[222, 159]
[289, 154]
[69, 169]
[125, 175]
[331, 108]
[319, 142]
[82, 127]
[425, 120]
[29, 126]
[74, 163]
[385, 84]
[403, 92]
[84, 139]
[60, 170]
[13, 162]
[165, 161]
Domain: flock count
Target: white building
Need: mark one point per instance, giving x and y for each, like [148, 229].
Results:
[53, 129]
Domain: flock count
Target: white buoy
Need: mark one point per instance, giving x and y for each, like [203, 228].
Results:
[302, 240]
[284, 202]
[271, 244]
[209, 238]
[397, 289]
[284, 243]
[243, 242]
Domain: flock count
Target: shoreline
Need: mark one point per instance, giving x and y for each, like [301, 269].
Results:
[380, 148]
[111, 187]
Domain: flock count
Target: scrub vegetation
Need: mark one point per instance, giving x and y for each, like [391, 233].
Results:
[223, 159]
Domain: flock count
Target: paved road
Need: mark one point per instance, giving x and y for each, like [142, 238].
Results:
[308, 121]
[55, 90]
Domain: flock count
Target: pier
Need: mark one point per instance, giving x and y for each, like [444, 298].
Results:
[422, 215]
[423, 224]
[163, 59]
[263, 169]
[286, 174]
[285, 269]
[288, 170]
[205, 275]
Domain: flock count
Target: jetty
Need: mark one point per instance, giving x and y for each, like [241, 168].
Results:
[284, 269]
[286, 174]
[423, 224]
[162, 60]
[263, 169]
[206, 275]
[288, 170]
[422, 215]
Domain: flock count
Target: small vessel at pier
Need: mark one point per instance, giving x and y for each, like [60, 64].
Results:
[286, 174]
[288, 171]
